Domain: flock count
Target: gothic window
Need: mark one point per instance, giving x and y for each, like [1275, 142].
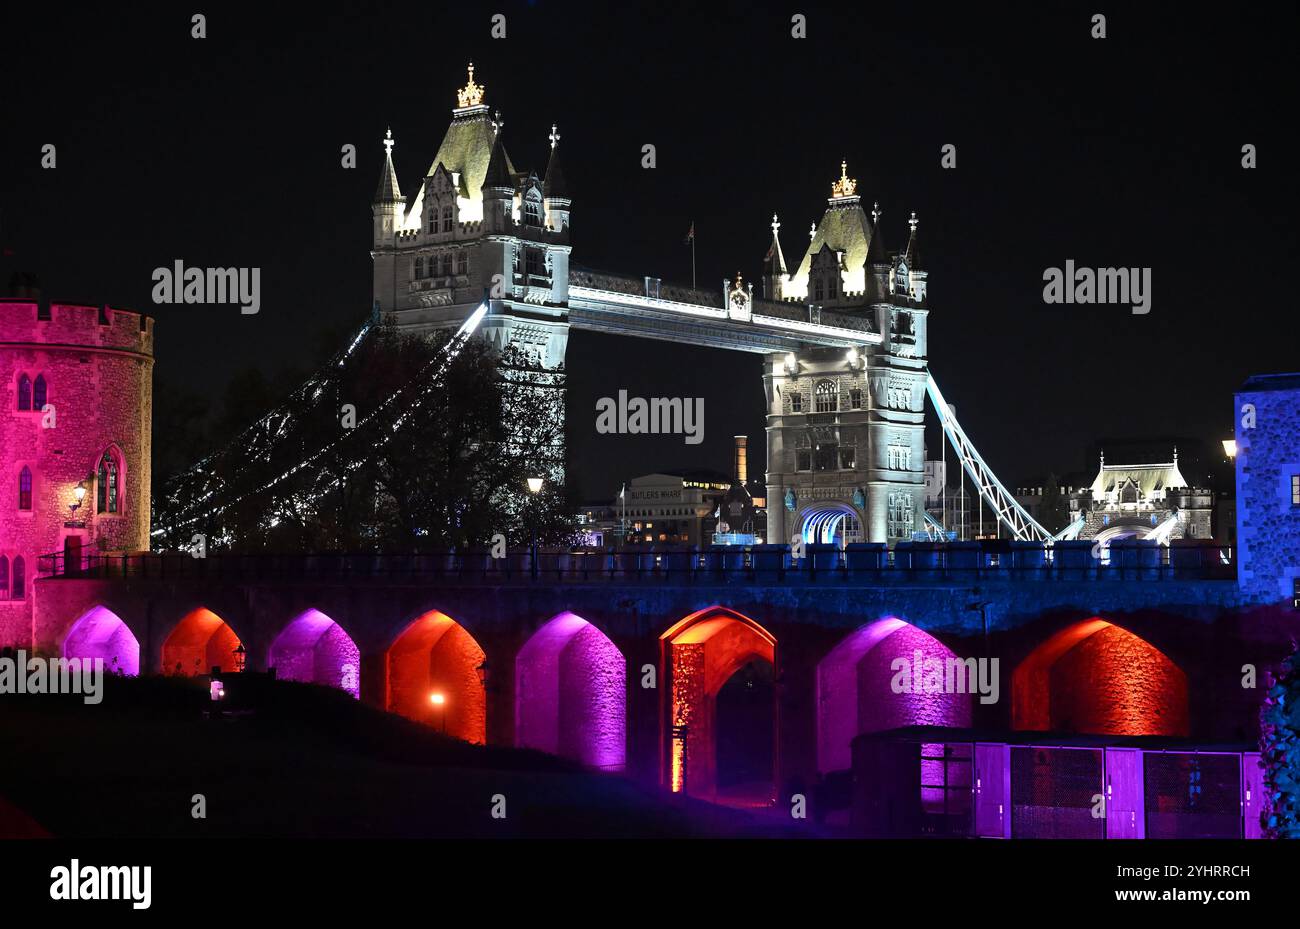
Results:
[803, 453]
[901, 515]
[796, 402]
[24, 392]
[433, 219]
[855, 398]
[533, 261]
[832, 288]
[4, 578]
[419, 268]
[826, 397]
[462, 262]
[819, 290]
[827, 453]
[108, 490]
[38, 393]
[532, 212]
[446, 264]
[25, 489]
[446, 219]
[847, 458]
[19, 588]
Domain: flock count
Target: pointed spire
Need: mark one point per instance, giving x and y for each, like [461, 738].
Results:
[876, 247]
[388, 191]
[554, 185]
[498, 174]
[774, 263]
[913, 248]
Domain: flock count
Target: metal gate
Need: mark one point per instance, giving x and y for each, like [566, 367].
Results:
[1193, 795]
[1056, 793]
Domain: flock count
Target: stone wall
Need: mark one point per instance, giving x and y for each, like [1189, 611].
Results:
[1267, 415]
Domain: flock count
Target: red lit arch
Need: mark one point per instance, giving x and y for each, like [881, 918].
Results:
[1097, 677]
[200, 642]
[435, 655]
[699, 654]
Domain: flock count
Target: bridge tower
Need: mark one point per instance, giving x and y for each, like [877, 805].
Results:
[846, 429]
[476, 223]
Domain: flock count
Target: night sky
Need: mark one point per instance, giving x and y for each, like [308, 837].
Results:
[1119, 152]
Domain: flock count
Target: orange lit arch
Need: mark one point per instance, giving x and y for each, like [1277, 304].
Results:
[201, 641]
[436, 656]
[698, 655]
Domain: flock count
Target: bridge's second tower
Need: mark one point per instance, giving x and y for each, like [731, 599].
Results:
[846, 428]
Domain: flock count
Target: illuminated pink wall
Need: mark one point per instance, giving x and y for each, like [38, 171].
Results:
[854, 692]
[1098, 677]
[102, 634]
[200, 642]
[571, 693]
[98, 373]
[315, 649]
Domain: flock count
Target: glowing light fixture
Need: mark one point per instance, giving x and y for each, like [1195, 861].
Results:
[437, 699]
[535, 485]
[1230, 447]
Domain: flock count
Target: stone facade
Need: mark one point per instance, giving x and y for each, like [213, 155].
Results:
[1268, 487]
[78, 386]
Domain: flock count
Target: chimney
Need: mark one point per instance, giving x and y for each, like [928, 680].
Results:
[742, 460]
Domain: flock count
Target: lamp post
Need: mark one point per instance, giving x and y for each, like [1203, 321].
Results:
[440, 701]
[534, 488]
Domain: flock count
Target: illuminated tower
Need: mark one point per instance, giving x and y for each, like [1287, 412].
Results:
[845, 429]
[74, 442]
[475, 224]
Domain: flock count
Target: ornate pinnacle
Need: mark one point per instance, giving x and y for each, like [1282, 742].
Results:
[845, 186]
[471, 94]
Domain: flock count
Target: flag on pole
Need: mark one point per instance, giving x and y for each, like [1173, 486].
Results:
[621, 491]
[690, 236]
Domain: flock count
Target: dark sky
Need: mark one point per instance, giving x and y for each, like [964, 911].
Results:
[1119, 152]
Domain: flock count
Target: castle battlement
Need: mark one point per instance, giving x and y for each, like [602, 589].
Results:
[90, 327]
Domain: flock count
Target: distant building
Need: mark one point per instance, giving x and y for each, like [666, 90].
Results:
[1141, 501]
[1267, 415]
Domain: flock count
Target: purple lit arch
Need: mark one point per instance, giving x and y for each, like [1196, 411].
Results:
[854, 693]
[571, 693]
[100, 633]
[314, 649]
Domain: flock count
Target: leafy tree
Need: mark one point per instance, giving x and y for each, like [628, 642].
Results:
[1280, 752]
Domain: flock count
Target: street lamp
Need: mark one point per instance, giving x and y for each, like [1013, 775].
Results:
[440, 701]
[1230, 447]
[483, 671]
[534, 488]
[241, 657]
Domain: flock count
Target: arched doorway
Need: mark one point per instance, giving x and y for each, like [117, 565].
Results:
[434, 677]
[830, 523]
[200, 642]
[314, 649]
[101, 633]
[571, 693]
[1097, 677]
[711, 720]
[881, 677]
